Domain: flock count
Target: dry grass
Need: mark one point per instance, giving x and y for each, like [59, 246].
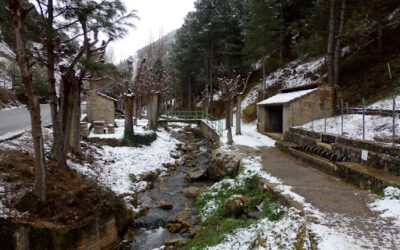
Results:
[71, 198]
[250, 113]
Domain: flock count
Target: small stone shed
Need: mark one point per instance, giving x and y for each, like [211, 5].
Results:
[295, 106]
[100, 107]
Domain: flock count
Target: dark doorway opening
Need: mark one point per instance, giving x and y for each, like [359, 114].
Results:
[276, 119]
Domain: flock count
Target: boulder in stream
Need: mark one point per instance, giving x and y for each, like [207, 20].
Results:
[164, 205]
[193, 192]
[196, 175]
[148, 176]
[223, 163]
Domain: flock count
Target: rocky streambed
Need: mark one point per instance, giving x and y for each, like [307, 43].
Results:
[169, 217]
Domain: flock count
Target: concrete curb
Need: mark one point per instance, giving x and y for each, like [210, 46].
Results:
[20, 134]
[360, 175]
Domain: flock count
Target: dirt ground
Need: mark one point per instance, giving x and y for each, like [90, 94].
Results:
[71, 199]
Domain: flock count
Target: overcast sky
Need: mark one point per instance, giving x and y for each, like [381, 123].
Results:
[155, 15]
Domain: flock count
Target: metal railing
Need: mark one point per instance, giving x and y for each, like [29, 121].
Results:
[211, 121]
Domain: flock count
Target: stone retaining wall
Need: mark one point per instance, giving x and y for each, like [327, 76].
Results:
[207, 131]
[380, 156]
[98, 233]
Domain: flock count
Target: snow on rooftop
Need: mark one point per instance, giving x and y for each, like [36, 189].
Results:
[286, 97]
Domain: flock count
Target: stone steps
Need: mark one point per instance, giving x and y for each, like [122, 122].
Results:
[362, 176]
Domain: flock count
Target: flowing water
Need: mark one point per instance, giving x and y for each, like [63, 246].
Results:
[151, 228]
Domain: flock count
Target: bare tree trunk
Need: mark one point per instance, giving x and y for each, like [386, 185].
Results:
[228, 122]
[282, 41]
[210, 107]
[264, 88]
[18, 14]
[331, 41]
[281, 48]
[140, 108]
[58, 144]
[128, 103]
[135, 111]
[231, 113]
[238, 114]
[74, 143]
[153, 116]
[380, 26]
[68, 114]
[338, 47]
[190, 95]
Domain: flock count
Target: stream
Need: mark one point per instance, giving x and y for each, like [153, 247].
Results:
[151, 228]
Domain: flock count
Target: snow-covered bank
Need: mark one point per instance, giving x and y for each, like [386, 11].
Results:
[282, 234]
[119, 130]
[249, 137]
[386, 104]
[116, 166]
[389, 205]
[353, 126]
[278, 228]
[11, 107]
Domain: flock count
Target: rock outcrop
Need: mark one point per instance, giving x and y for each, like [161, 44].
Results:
[222, 164]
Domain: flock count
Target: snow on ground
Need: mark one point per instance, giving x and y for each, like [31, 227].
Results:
[386, 104]
[249, 137]
[294, 74]
[24, 142]
[374, 126]
[119, 130]
[282, 234]
[333, 231]
[8, 135]
[117, 165]
[389, 204]
[12, 107]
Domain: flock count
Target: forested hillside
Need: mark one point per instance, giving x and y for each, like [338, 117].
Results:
[353, 41]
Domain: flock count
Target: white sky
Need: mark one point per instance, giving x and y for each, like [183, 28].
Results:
[156, 17]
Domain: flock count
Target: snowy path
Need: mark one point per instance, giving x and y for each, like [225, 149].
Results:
[340, 216]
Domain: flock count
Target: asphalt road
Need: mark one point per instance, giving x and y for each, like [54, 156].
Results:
[14, 120]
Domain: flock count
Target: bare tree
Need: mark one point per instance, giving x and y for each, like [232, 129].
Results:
[239, 107]
[335, 41]
[75, 64]
[331, 42]
[18, 14]
[338, 46]
[155, 88]
[130, 90]
[229, 88]
[205, 98]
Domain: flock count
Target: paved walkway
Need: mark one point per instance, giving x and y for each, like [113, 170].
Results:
[340, 208]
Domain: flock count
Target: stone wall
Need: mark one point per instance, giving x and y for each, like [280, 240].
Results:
[100, 108]
[380, 156]
[310, 107]
[97, 233]
[206, 130]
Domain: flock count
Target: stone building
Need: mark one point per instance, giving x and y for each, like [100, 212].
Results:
[100, 107]
[295, 106]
